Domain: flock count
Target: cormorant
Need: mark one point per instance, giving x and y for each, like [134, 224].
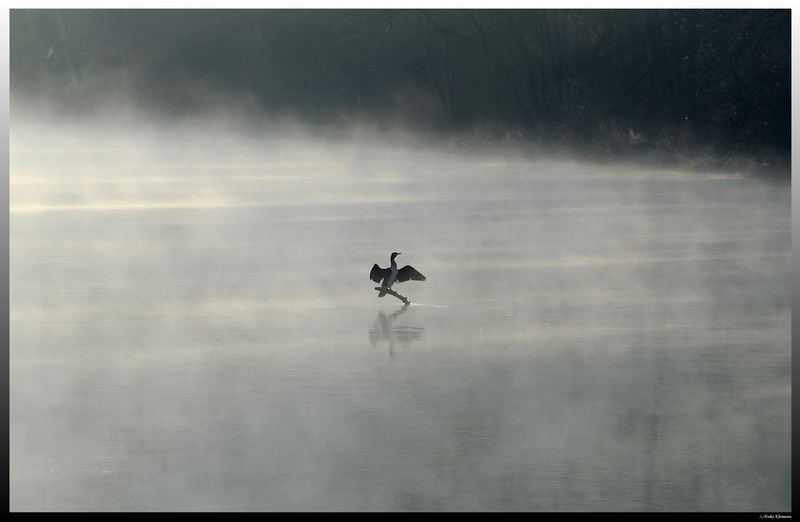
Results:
[389, 276]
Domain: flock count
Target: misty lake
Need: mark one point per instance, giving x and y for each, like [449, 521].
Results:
[193, 328]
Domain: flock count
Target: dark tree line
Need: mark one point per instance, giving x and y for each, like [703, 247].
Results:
[614, 80]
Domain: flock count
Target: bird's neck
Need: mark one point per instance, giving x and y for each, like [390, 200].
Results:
[394, 263]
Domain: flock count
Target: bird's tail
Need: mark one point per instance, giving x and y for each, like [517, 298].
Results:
[382, 292]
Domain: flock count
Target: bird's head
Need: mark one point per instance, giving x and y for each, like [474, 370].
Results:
[395, 254]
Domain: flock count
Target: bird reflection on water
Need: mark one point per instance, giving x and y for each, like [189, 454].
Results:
[384, 330]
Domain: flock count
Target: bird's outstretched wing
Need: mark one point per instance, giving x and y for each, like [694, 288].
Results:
[377, 273]
[409, 272]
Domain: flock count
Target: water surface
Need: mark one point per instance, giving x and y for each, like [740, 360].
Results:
[193, 328]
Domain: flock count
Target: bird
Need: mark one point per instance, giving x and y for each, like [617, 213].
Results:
[389, 276]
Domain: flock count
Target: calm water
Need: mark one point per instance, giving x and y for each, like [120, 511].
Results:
[193, 328]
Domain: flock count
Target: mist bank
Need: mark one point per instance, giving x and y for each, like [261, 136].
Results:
[711, 85]
[118, 122]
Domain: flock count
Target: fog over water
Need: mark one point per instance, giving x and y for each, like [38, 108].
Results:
[193, 326]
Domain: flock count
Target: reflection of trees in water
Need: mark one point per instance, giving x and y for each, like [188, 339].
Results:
[384, 330]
